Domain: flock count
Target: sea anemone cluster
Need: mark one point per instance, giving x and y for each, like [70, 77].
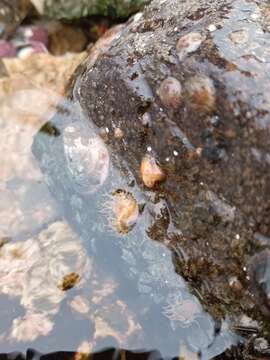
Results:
[122, 210]
[184, 311]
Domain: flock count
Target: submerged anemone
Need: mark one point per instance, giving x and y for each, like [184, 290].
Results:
[87, 158]
[122, 210]
[182, 310]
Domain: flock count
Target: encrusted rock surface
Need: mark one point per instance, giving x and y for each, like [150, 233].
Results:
[208, 133]
[213, 145]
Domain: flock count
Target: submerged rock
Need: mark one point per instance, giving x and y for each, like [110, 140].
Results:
[213, 146]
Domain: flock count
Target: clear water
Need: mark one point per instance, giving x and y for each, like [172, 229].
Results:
[128, 295]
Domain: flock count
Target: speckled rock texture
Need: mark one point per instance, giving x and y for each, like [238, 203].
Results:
[70, 9]
[207, 128]
[213, 145]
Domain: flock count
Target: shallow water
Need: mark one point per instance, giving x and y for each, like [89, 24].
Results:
[128, 294]
[125, 292]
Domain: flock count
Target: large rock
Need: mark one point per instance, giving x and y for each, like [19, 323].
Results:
[196, 98]
[182, 100]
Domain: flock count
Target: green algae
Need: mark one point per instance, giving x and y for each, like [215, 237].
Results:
[69, 9]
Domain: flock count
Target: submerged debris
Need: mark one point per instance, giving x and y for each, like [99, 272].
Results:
[69, 281]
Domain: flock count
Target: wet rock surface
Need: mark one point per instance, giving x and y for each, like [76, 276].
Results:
[186, 84]
[212, 145]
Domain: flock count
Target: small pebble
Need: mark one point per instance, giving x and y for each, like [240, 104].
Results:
[35, 33]
[69, 281]
[7, 50]
[33, 48]
[118, 133]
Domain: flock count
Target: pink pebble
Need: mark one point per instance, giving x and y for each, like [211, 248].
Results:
[33, 47]
[36, 33]
[7, 50]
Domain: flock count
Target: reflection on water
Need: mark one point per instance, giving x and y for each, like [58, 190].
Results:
[79, 269]
[82, 283]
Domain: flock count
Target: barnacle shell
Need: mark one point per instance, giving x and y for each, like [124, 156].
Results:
[151, 173]
[87, 158]
[201, 94]
[125, 211]
[170, 93]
